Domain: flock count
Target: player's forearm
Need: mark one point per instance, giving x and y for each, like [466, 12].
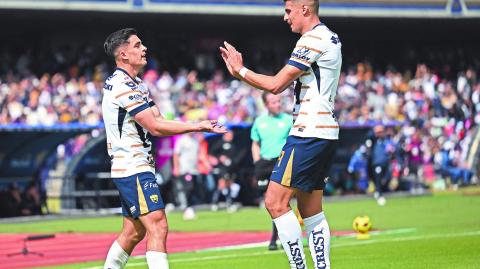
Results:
[267, 83]
[171, 127]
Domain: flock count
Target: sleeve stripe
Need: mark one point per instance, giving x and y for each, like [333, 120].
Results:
[312, 36]
[134, 104]
[138, 109]
[298, 65]
[151, 103]
[127, 92]
[293, 58]
[309, 48]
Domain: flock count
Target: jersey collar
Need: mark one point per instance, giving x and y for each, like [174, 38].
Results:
[320, 24]
[126, 73]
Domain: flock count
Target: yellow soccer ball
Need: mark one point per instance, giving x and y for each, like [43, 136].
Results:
[362, 224]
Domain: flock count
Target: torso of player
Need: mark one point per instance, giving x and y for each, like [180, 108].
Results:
[318, 54]
[128, 143]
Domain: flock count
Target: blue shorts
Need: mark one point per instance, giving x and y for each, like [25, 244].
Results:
[139, 194]
[304, 163]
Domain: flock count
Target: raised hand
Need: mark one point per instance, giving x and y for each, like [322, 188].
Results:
[232, 58]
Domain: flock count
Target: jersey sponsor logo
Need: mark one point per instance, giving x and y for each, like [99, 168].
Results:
[319, 247]
[137, 97]
[149, 185]
[107, 87]
[302, 54]
[296, 254]
[154, 198]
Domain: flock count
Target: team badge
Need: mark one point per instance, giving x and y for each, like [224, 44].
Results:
[154, 198]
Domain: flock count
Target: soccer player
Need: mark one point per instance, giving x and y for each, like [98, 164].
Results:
[130, 117]
[269, 133]
[306, 157]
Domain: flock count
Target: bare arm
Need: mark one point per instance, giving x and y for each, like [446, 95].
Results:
[156, 112]
[255, 151]
[158, 126]
[274, 84]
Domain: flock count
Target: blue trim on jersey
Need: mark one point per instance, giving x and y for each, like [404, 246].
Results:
[126, 73]
[121, 117]
[320, 24]
[298, 65]
[151, 103]
[316, 72]
[138, 109]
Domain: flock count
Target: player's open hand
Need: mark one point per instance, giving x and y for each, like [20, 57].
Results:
[212, 126]
[232, 58]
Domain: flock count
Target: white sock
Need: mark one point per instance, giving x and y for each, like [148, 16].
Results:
[157, 260]
[290, 234]
[116, 257]
[318, 234]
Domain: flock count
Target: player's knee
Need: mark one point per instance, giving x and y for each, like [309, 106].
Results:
[138, 236]
[274, 206]
[134, 236]
[158, 227]
[158, 231]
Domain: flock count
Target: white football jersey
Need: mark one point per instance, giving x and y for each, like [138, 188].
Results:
[318, 53]
[128, 143]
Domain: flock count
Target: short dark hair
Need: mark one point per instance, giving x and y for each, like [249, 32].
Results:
[116, 39]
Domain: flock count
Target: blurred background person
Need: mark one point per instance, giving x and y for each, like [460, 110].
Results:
[225, 158]
[269, 133]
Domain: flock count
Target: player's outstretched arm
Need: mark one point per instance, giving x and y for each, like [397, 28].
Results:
[158, 126]
[274, 84]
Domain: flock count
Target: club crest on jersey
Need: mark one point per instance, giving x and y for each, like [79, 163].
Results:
[154, 198]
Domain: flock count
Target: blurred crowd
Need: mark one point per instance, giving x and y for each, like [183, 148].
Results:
[431, 132]
[421, 123]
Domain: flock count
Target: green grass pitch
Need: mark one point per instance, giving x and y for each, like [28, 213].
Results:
[435, 231]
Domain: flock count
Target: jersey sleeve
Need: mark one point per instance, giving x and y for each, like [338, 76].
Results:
[307, 51]
[132, 100]
[254, 135]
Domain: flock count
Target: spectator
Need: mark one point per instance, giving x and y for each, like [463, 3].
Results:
[225, 159]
